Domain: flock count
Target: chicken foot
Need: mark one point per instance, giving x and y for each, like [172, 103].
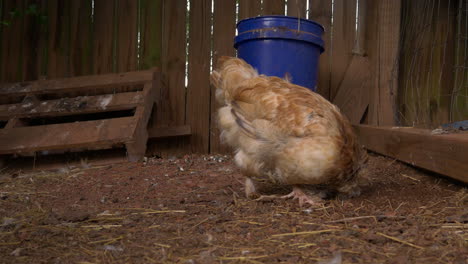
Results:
[297, 193]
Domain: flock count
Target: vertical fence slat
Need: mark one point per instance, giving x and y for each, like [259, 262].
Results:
[103, 32]
[224, 24]
[126, 19]
[459, 98]
[171, 101]
[249, 8]
[344, 30]
[297, 8]
[59, 42]
[198, 91]
[11, 41]
[80, 38]
[321, 12]
[31, 32]
[151, 33]
[273, 7]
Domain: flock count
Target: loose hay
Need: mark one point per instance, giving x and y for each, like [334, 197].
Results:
[157, 213]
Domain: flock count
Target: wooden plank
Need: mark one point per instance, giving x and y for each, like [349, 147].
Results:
[170, 99]
[297, 8]
[444, 154]
[58, 13]
[353, 95]
[273, 7]
[382, 108]
[136, 148]
[76, 83]
[223, 34]
[73, 106]
[69, 135]
[321, 12]
[80, 38]
[127, 34]
[103, 34]
[151, 33]
[31, 35]
[249, 8]
[344, 31]
[165, 132]
[198, 93]
[12, 41]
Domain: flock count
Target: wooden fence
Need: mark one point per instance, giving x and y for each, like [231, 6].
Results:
[57, 38]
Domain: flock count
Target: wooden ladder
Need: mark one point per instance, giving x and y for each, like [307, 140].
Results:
[80, 113]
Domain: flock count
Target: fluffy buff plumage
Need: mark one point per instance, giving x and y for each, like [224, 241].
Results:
[285, 134]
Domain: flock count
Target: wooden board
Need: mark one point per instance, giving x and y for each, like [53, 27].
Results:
[127, 34]
[59, 38]
[151, 20]
[353, 95]
[273, 7]
[321, 12]
[344, 30]
[11, 42]
[382, 107]
[103, 36]
[297, 8]
[165, 132]
[31, 36]
[223, 34]
[198, 92]
[80, 37]
[75, 84]
[73, 106]
[249, 8]
[444, 154]
[71, 135]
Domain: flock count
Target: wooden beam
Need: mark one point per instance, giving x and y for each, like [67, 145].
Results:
[441, 153]
[73, 106]
[66, 136]
[76, 83]
[353, 95]
[163, 132]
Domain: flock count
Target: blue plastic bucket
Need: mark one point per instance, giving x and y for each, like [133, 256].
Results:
[281, 46]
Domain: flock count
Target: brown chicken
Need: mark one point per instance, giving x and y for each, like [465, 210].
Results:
[285, 134]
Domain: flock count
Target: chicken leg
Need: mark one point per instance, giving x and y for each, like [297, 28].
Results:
[297, 193]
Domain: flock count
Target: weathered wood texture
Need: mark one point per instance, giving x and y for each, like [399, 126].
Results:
[321, 12]
[224, 23]
[249, 8]
[297, 8]
[273, 7]
[433, 61]
[444, 154]
[198, 89]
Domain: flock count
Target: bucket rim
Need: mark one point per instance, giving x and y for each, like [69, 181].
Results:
[282, 17]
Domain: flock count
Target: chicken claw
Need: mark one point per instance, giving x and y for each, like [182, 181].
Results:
[299, 194]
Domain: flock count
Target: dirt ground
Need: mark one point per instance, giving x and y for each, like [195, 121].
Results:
[193, 210]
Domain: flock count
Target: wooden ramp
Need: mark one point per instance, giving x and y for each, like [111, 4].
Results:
[81, 113]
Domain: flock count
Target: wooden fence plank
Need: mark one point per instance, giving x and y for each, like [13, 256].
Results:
[126, 37]
[31, 34]
[59, 43]
[444, 154]
[103, 34]
[170, 100]
[344, 31]
[297, 8]
[459, 98]
[224, 24]
[321, 12]
[80, 37]
[12, 41]
[198, 92]
[382, 105]
[249, 8]
[151, 34]
[273, 7]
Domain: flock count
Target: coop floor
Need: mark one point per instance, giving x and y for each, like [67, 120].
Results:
[193, 210]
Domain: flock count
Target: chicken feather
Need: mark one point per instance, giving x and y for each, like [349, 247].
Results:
[284, 133]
